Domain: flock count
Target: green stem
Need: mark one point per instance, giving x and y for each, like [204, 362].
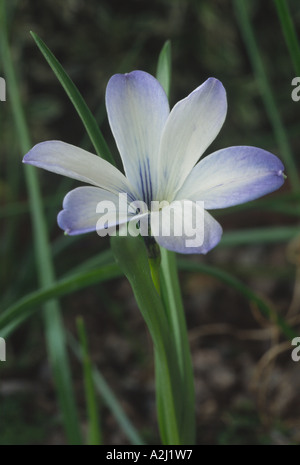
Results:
[154, 265]
[131, 255]
[176, 318]
[173, 304]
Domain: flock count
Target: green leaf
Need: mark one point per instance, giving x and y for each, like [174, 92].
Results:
[259, 236]
[30, 304]
[76, 98]
[163, 72]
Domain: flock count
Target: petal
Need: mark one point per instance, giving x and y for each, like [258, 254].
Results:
[81, 213]
[185, 227]
[137, 109]
[191, 127]
[233, 176]
[76, 163]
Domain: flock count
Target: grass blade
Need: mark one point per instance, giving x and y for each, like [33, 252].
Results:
[109, 398]
[53, 325]
[94, 434]
[76, 98]
[289, 33]
[259, 236]
[236, 284]
[30, 304]
[266, 92]
[163, 72]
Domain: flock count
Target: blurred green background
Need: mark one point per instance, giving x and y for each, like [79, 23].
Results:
[246, 383]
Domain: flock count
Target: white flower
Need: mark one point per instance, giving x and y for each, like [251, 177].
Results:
[160, 150]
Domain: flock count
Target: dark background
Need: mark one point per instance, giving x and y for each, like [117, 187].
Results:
[246, 383]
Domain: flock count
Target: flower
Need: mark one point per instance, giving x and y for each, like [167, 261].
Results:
[160, 150]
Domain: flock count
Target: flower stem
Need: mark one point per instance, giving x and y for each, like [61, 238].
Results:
[154, 259]
[175, 313]
[154, 264]
[131, 255]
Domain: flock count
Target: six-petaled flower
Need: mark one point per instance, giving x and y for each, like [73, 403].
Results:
[160, 151]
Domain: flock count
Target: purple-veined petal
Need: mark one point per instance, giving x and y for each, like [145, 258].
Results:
[233, 176]
[185, 227]
[137, 109]
[82, 211]
[68, 160]
[192, 125]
